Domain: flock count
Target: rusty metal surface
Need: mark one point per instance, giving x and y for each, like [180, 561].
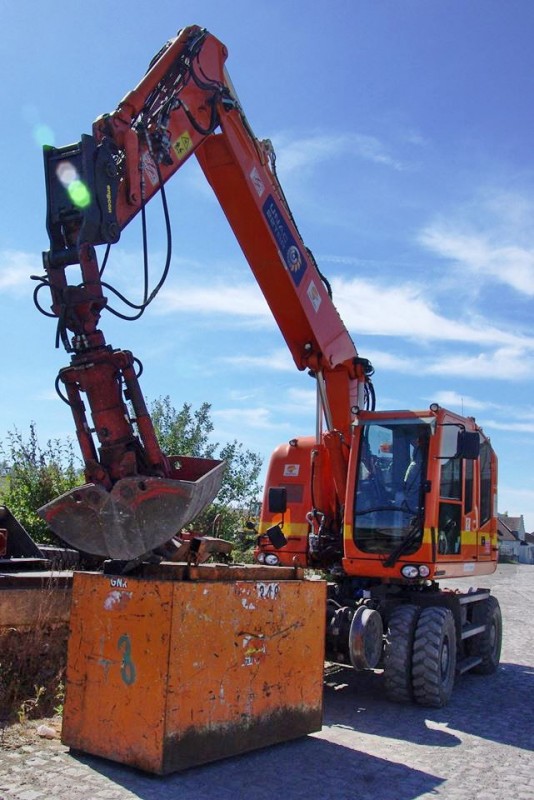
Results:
[33, 598]
[50, 580]
[18, 565]
[17, 541]
[26, 604]
[136, 516]
[164, 675]
[195, 747]
[170, 570]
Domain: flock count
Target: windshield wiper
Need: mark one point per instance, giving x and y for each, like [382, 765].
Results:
[403, 545]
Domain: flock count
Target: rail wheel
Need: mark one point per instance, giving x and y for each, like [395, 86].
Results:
[434, 657]
[398, 653]
[487, 644]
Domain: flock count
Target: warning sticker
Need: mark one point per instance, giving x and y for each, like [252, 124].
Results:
[313, 294]
[257, 182]
[291, 470]
[150, 168]
[183, 145]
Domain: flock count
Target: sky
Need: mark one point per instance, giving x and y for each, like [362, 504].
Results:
[403, 133]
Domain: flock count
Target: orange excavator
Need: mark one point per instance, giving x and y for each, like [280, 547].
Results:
[385, 503]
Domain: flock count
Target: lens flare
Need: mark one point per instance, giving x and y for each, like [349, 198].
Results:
[43, 134]
[79, 194]
[77, 190]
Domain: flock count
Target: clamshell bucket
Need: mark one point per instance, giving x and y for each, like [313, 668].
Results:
[139, 514]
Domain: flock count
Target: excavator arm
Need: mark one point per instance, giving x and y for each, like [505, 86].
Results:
[136, 498]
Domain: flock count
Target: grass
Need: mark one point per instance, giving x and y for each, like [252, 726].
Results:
[33, 662]
[32, 672]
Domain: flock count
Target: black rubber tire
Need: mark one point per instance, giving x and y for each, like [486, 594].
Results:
[434, 657]
[488, 644]
[398, 653]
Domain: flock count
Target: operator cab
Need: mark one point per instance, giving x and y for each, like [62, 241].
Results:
[424, 493]
[391, 484]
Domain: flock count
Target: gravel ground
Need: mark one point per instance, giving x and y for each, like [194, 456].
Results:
[477, 748]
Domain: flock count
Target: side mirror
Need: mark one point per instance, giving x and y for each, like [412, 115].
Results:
[277, 499]
[276, 537]
[468, 445]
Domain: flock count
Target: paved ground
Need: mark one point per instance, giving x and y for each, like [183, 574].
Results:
[478, 748]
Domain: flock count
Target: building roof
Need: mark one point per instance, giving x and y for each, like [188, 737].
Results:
[505, 531]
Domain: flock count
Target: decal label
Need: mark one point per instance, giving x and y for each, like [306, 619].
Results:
[291, 470]
[117, 600]
[257, 182]
[254, 650]
[118, 583]
[268, 591]
[313, 294]
[149, 168]
[182, 145]
[289, 250]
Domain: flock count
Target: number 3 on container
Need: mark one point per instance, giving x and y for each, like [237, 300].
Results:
[127, 667]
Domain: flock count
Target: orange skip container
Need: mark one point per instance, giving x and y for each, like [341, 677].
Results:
[186, 665]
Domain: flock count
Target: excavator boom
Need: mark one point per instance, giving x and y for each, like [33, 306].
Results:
[184, 105]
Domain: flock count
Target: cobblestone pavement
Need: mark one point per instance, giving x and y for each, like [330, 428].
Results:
[478, 748]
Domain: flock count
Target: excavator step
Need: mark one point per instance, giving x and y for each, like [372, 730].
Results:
[474, 597]
[472, 630]
[467, 663]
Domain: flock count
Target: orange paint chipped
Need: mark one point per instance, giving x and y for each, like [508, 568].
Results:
[185, 672]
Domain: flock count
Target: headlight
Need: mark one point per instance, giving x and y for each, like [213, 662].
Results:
[260, 558]
[410, 571]
[424, 571]
[272, 560]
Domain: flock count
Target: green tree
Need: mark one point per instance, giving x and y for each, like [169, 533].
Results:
[187, 432]
[34, 475]
[184, 432]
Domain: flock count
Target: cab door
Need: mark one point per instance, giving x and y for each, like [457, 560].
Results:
[486, 492]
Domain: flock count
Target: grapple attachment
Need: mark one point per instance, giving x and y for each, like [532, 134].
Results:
[139, 514]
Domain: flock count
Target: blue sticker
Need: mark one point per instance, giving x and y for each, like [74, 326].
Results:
[290, 251]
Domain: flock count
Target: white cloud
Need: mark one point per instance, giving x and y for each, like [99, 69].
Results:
[278, 360]
[509, 264]
[503, 363]
[374, 309]
[242, 300]
[463, 402]
[500, 364]
[47, 395]
[491, 237]
[516, 427]
[366, 308]
[15, 270]
[247, 417]
[403, 310]
[299, 154]
[382, 360]
[303, 398]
